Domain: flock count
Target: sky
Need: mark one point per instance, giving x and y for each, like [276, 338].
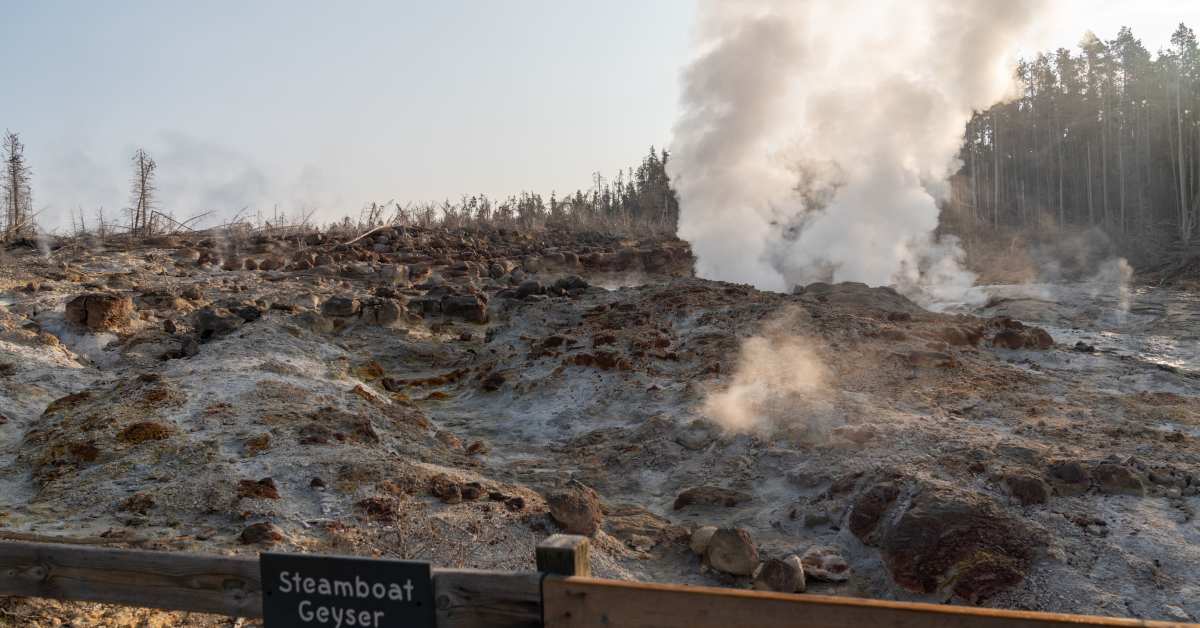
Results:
[329, 106]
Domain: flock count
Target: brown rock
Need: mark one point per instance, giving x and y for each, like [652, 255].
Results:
[1116, 479]
[825, 563]
[869, 508]
[445, 489]
[576, 508]
[710, 496]
[262, 489]
[100, 312]
[1069, 478]
[730, 550]
[378, 508]
[784, 576]
[144, 431]
[261, 533]
[955, 542]
[139, 503]
[1026, 489]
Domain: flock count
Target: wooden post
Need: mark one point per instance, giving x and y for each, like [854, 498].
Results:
[564, 555]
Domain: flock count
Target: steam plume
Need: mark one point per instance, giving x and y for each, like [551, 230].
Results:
[817, 136]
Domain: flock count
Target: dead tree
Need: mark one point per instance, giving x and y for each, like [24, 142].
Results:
[18, 199]
[141, 210]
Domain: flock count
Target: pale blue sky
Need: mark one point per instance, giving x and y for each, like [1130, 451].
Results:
[334, 104]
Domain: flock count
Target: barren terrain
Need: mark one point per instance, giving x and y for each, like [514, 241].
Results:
[433, 394]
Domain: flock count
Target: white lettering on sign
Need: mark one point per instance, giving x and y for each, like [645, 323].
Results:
[290, 582]
[295, 582]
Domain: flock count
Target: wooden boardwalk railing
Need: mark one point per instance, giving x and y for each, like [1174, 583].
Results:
[559, 595]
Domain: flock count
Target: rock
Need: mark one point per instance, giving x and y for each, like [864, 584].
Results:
[730, 550]
[696, 436]
[700, 539]
[261, 534]
[384, 312]
[946, 540]
[1116, 479]
[471, 491]
[138, 503]
[529, 287]
[1026, 489]
[212, 322]
[571, 283]
[445, 489]
[576, 508]
[825, 563]
[469, 307]
[710, 496]
[100, 312]
[492, 382]
[314, 322]
[144, 431]
[262, 489]
[340, 307]
[1069, 478]
[783, 576]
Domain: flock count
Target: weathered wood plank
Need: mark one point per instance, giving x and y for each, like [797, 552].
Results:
[592, 603]
[487, 599]
[225, 585]
[564, 555]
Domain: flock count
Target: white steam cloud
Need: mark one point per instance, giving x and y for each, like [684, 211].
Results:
[817, 136]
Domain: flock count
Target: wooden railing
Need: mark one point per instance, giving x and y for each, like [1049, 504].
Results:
[559, 595]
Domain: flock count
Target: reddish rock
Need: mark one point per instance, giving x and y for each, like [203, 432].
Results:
[576, 508]
[100, 312]
[730, 550]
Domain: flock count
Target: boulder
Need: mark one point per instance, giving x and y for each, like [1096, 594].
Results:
[700, 539]
[469, 307]
[576, 508]
[1026, 489]
[730, 550]
[1069, 478]
[1117, 479]
[212, 322]
[340, 307]
[943, 540]
[100, 311]
[783, 576]
[825, 563]
[529, 287]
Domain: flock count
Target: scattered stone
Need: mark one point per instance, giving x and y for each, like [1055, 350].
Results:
[783, 576]
[493, 381]
[700, 539]
[1116, 479]
[99, 311]
[1026, 489]
[576, 508]
[138, 503]
[341, 307]
[477, 447]
[471, 491]
[445, 489]
[378, 508]
[825, 563]
[211, 322]
[261, 489]
[1069, 478]
[143, 431]
[261, 534]
[730, 550]
[528, 288]
[469, 307]
[316, 483]
[710, 496]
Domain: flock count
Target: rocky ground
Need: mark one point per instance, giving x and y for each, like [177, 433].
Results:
[456, 396]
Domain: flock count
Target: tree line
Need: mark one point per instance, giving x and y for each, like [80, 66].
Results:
[639, 197]
[1105, 136]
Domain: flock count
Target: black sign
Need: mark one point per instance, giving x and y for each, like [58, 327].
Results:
[312, 591]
